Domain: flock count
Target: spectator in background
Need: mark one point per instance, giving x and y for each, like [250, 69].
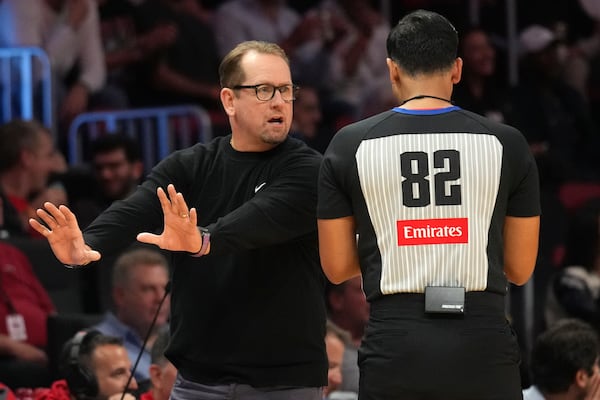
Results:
[307, 39]
[575, 290]
[117, 170]
[564, 363]
[69, 32]
[478, 90]
[306, 123]
[336, 340]
[557, 123]
[125, 49]
[312, 41]
[140, 277]
[347, 308]
[95, 366]
[27, 158]
[358, 73]
[344, 58]
[578, 63]
[553, 117]
[24, 308]
[162, 371]
[186, 70]
[268, 20]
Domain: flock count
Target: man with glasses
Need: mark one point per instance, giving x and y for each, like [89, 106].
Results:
[248, 316]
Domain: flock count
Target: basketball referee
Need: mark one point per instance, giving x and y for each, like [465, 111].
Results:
[446, 207]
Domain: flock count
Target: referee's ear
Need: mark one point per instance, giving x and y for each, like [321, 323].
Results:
[395, 74]
[393, 70]
[457, 70]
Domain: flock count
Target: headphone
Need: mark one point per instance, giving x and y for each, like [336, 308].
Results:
[81, 381]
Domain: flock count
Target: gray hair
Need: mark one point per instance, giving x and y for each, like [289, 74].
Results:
[132, 259]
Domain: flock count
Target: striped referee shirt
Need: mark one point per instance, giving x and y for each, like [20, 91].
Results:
[429, 190]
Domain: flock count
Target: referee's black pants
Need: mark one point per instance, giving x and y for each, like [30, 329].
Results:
[408, 354]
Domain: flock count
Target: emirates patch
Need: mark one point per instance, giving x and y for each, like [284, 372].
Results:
[433, 231]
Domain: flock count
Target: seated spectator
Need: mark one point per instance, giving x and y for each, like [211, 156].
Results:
[564, 363]
[319, 45]
[24, 308]
[307, 39]
[94, 366]
[140, 277]
[554, 117]
[478, 90]
[21, 184]
[125, 49]
[117, 170]
[358, 73]
[335, 344]
[267, 20]
[347, 308]
[174, 76]
[162, 371]
[27, 158]
[575, 290]
[306, 123]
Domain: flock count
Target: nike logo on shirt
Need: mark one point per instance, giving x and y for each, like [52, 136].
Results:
[258, 187]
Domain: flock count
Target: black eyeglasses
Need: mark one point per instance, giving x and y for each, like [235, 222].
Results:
[265, 92]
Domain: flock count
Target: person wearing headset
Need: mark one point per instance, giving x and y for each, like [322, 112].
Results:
[94, 366]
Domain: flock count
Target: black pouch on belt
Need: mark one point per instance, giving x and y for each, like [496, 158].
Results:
[442, 299]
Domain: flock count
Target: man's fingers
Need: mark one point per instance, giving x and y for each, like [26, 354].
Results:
[68, 215]
[46, 217]
[173, 202]
[193, 216]
[150, 238]
[181, 204]
[93, 255]
[55, 212]
[173, 197]
[38, 227]
[162, 197]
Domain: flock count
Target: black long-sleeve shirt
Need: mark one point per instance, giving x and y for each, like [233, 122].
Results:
[252, 310]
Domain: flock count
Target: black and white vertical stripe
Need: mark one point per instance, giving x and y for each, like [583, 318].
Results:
[411, 268]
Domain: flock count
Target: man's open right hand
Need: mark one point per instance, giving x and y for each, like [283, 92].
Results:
[63, 234]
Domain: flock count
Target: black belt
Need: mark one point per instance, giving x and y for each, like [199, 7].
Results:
[484, 303]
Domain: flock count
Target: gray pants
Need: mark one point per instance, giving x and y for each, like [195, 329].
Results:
[187, 390]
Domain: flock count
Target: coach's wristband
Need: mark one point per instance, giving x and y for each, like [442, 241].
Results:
[205, 234]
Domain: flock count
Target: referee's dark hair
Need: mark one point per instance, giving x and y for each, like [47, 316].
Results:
[423, 42]
[561, 352]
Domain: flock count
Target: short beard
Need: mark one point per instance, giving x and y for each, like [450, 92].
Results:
[272, 140]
